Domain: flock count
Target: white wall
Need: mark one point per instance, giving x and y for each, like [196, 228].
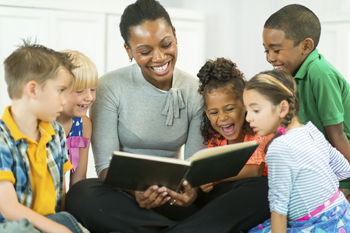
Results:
[220, 28]
[92, 27]
[234, 29]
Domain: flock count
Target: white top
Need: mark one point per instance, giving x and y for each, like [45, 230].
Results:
[303, 172]
[132, 115]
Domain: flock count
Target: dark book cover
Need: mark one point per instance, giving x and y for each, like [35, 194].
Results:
[219, 167]
[139, 172]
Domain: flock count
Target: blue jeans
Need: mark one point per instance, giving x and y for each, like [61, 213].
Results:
[24, 226]
[67, 220]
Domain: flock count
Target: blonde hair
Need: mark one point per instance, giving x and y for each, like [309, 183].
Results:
[33, 62]
[85, 74]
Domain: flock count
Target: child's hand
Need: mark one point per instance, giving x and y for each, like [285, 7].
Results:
[207, 187]
[184, 198]
[152, 197]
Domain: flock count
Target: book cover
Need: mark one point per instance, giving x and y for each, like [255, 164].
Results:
[139, 172]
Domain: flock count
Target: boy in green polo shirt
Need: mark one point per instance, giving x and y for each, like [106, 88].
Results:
[290, 38]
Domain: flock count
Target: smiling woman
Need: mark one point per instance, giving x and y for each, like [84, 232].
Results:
[149, 108]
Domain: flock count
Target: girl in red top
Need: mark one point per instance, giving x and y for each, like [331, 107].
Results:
[222, 85]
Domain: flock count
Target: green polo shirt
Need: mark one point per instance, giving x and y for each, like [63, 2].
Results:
[324, 94]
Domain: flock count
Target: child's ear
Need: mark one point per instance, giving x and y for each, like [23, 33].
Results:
[284, 108]
[128, 50]
[308, 46]
[31, 89]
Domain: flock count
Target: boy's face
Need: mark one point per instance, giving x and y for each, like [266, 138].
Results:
[226, 114]
[50, 98]
[281, 52]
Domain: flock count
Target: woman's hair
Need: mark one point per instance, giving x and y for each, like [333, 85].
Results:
[140, 11]
[224, 76]
[85, 74]
[276, 86]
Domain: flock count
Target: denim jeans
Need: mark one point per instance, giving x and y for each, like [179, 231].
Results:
[67, 220]
[24, 226]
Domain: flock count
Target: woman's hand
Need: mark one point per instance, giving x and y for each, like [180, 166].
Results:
[185, 198]
[152, 197]
[207, 187]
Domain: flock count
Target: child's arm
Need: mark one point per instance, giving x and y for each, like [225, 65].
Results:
[12, 210]
[249, 170]
[278, 222]
[63, 199]
[338, 139]
[80, 171]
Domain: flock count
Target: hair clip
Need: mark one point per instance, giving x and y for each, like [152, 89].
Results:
[282, 130]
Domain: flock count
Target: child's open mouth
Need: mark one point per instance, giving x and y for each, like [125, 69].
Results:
[83, 106]
[228, 129]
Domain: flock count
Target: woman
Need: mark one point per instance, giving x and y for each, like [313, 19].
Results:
[146, 108]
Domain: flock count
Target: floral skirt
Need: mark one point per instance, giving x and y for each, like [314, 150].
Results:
[336, 220]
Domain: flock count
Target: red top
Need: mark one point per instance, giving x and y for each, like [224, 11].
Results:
[258, 156]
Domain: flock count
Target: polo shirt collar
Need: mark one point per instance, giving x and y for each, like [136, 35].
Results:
[16, 133]
[304, 67]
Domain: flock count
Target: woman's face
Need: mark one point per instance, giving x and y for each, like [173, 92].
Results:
[153, 46]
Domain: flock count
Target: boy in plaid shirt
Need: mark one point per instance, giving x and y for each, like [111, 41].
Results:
[33, 154]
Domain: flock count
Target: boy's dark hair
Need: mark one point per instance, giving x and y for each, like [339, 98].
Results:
[221, 74]
[276, 86]
[298, 23]
[135, 14]
[33, 62]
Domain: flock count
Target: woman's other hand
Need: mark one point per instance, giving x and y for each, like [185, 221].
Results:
[152, 197]
[185, 198]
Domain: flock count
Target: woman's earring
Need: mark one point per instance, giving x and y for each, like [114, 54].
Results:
[130, 59]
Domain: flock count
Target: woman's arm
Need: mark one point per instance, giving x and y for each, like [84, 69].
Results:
[12, 210]
[80, 171]
[104, 118]
[195, 140]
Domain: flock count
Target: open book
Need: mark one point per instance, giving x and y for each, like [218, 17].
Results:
[139, 172]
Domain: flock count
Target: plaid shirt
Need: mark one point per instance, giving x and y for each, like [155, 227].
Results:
[14, 162]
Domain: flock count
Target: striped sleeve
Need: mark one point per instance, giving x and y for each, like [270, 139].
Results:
[280, 165]
[338, 163]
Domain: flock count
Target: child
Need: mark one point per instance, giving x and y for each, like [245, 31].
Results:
[79, 97]
[303, 168]
[290, 39]
[222, 85]
[33, 155]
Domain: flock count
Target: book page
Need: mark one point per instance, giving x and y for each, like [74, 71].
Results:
[152, 157]
[208, 152]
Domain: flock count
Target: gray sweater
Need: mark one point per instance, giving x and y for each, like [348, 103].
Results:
[132, 115]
